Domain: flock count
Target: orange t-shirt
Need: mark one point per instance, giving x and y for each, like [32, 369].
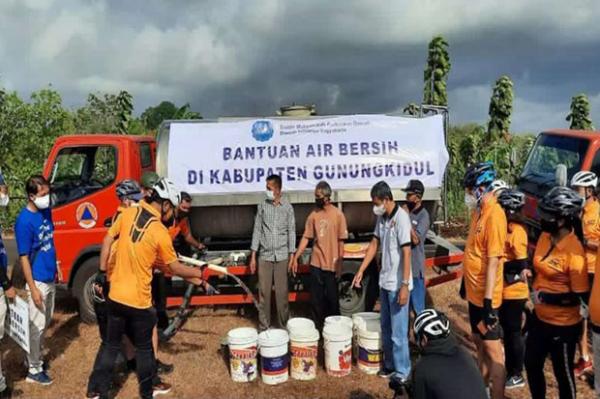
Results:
[142, 238]
[182, 226]
[595, 297]
[560, 269]
[326, 227]
[590, 222]
[487, 238]
[516, 249]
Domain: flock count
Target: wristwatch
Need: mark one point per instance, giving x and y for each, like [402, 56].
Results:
[405, 282]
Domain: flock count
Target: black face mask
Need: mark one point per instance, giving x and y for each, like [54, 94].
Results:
[411, 205]
[549, 226]
[183, 215]
[170, 221]
[320, 202]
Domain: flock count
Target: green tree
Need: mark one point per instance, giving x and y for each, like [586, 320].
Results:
[125, 111]
[501, 105]
[411, 109]
[152, 117]
[580, 113]
[436, 73]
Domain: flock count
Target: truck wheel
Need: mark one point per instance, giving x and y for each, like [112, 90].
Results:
[81, 289]
[352, 300]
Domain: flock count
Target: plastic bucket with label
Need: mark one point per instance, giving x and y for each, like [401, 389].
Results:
[304, 348]
[359, 320]
[338, 349]
[334, 320]
[299, 323]
[370, 353]
[242, 353]
[274, 356]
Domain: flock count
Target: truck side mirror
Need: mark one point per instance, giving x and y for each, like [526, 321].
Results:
[560, 175]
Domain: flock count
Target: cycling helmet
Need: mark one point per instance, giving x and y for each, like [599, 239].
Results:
[584, 178]
[149, 179]
[498, 185]
[166, 190]
[431, 324]
[560, 202]
[511, 200]
[129, 189]
[482, 173]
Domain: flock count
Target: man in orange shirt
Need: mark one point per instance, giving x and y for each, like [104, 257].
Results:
[326, 227]
[482, 267]
[560, 284]
[585, 183]
[143, 237]
[516, 291]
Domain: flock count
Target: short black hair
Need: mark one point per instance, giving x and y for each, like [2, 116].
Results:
[275, 179]
[381, 190]
[324, 188]
[185, 196]
[34, 183]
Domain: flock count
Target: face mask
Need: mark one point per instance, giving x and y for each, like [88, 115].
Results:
[320, 202]
[470, 201]
[4, 199]
[549, 226]
[270, 195]
[183, 214]
[168, 222]
[42, 203]
[379, 210]
[411, 205]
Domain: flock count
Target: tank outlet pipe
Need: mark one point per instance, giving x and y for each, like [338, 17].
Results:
[210, 266]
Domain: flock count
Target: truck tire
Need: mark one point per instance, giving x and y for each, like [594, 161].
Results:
[352, 300]
[81, 289]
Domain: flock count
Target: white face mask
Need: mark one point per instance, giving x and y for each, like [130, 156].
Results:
[470, 201]
[270, 195]
[379, 210]
[42, 203]
[4, 199]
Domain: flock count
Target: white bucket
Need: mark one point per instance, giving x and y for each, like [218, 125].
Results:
[338, 349]
[299, 323]
[359, 320]
[304, 348]
[274, 357]
[370, 353]
[331, 320]
[242, 354]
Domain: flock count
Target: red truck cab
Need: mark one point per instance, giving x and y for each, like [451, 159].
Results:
[575, 149]
[83, 171]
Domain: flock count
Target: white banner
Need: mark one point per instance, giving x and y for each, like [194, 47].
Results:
[350, 152]
[17, 322]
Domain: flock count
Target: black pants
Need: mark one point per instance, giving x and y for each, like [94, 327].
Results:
[511, 318]
[559, 342]
[323, 295]
[159, 298]
[138, 325]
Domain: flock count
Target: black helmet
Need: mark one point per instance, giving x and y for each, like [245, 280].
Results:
[560, 202]
[511, 200]
[479, 174]
[129, 189]
[431, 324]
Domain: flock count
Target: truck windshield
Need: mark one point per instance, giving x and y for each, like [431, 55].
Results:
[549, 151]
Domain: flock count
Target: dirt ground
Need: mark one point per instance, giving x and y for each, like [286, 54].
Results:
[200, 368]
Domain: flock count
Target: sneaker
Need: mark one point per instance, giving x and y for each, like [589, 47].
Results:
[161, 388]
[583, 366]
[163, 368]
[514, 382]
[384, 373]
[92, 395]
[39, 378]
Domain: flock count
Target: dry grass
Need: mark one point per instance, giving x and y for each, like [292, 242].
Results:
[200, 368]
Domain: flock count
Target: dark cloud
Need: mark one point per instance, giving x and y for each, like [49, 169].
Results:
[249, 57]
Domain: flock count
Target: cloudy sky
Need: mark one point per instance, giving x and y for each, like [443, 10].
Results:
[247, 57]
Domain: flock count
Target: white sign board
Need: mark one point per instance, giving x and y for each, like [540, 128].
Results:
[349, 152]
[17, 323]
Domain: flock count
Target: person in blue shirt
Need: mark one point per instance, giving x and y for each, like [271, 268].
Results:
[34, 231]
[6, 288]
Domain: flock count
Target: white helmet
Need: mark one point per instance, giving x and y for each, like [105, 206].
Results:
[432, 324]
[165, 189]
[498, 185]
[584, 178]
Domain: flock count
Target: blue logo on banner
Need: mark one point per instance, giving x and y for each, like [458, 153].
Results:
[262, 131]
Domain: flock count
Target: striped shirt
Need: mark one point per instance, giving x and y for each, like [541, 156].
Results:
[274, 235]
